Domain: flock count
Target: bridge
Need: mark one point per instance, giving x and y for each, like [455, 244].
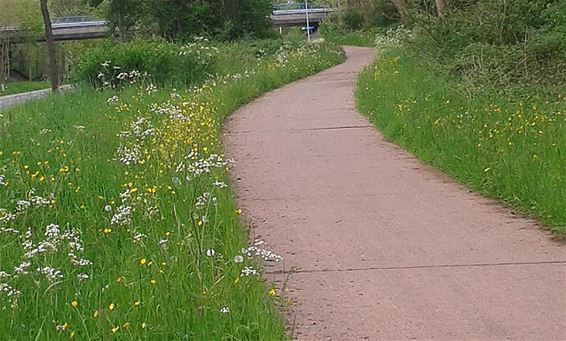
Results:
[84, 27]
[297, 17]
[66, 28]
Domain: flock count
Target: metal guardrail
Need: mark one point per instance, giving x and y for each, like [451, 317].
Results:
[65, 23]
[292, 6]
[302, 11]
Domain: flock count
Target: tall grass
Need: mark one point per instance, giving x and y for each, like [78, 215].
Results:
[505, 144]
[115, 216]
[351, 38]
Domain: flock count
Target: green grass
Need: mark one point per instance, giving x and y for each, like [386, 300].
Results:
[505, 144]
[351, 38]
[21, 87]
[170, 268]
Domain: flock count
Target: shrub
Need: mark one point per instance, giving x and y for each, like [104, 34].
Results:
[162, 62]
[497, 42]
[353, 19]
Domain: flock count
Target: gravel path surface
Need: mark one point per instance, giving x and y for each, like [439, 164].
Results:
[378, 246]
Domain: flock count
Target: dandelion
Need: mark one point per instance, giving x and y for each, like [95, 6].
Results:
[111, 306]
[115, 329]
[142, 261]
[74, 303]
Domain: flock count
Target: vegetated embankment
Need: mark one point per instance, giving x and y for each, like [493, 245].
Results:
[505, 146]
[115, 215]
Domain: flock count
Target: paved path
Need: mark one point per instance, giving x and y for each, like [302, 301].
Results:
[12, 100]
[382, 247]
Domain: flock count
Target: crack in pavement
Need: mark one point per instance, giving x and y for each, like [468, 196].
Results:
[417, 267]
[339, 128]
[298, 129]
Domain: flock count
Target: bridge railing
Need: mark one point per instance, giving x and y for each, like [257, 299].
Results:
[296, 5]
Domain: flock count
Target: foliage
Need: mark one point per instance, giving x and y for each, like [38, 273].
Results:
[498, 42]
[119, 223]
[362, 15]
[336, 34]
[22, 13]
[498, 142]
[182, 20]
[164, 63]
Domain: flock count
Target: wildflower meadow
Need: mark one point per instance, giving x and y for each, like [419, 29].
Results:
[117, 220]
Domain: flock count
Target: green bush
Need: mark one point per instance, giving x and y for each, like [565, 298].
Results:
[501, 43]
[164, 63]
[352, 19]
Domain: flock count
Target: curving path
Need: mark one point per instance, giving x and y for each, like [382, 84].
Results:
[378, 246]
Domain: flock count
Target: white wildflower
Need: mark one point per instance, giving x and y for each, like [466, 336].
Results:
[122, 216]
[82, 276]
[248, 271]
[51, 273]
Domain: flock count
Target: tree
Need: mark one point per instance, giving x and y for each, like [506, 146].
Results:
[441, 8]
[60, 8]
[51, 51]
[401, 7]
[122, 14]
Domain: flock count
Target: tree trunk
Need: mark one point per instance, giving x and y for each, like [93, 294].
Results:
[4, 59]
[51, 52]
[401, 7]
[441, 8]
